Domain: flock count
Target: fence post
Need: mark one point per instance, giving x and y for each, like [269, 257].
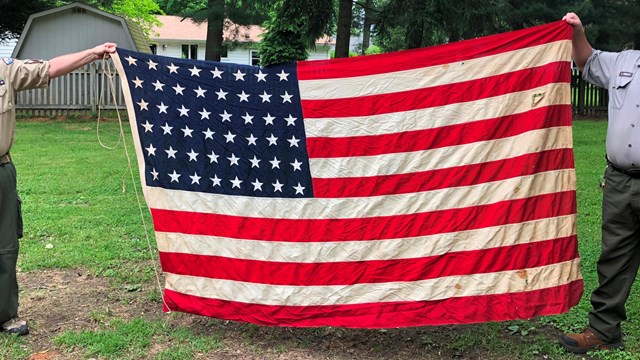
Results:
[581, 95]
[92, 86]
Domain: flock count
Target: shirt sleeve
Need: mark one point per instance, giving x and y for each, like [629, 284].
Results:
[29, 74]
[599, 68]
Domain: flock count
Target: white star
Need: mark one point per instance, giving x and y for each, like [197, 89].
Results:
[162, 108]
[286, 97]
[171, 153]
[236, 183]
[138, 82]
[222, 94]
[151, 150]
[229, 137]
[208, 134]
[184, 111]
[178, 89]
[215, 180]
[174, 177]
[204, 114]
[226, 116]
[195, 71]
[155, 174]
[143, 105]
[277, 186]
[296, 165]
[255, 162]
[261, 76]
[268, 120]
[131, 60]
[152, 65]
[213, 157]
[158, 85]
[272, 140]
[247, 118]
[257, 185]
[147, 127]
[293, 141]
[275, 163]
[265, 97]
[291, 120]
[243, 97]
[217, 73]
[187, 132]
[299, 189]
[233, 159]
[239, 75]
[200, 92]
[195, 179]
[283, 75]
[252, 140]
[193, 156]
[173, 68]
[166, 128]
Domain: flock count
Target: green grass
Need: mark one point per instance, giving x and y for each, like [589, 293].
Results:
[77, 215]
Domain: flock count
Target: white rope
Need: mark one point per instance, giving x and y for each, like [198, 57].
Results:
[107, 72]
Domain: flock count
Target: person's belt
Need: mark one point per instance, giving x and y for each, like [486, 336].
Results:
[5, 159]
[631, 173]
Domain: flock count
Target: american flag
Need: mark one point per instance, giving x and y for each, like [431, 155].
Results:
[423, 187]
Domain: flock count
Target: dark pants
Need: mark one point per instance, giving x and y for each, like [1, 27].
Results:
[8, 243]
[618, 263]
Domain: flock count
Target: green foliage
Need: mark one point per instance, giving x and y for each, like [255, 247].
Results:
[15, 17]
[12, 348]
[372, 50]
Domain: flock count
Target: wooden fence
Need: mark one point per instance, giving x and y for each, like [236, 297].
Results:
[82, 91]
[587, 99]
[86, 90]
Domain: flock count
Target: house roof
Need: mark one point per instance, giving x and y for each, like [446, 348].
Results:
[133, 31]
[179, 28]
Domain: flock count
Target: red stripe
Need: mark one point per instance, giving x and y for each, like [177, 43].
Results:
[523, 165]
[455, 310]
[373, 228]
[465, 133]
[506, 258]
[437, 55]
[557, 72]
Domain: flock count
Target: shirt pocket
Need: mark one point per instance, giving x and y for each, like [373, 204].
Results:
[619, 91]
[6, 103]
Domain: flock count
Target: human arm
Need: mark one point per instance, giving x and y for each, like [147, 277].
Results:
[581, 48]
[65, 64]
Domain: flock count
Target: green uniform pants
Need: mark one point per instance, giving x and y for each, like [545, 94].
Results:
[8, 243]
[620, 257]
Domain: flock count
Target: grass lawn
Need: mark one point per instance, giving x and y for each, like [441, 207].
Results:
[81, 212]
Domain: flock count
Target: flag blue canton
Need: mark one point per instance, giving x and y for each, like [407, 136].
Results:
[219, 127]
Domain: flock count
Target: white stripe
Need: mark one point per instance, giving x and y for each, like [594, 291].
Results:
[417, 247]
[344, 208]
[432, 76]
[442, 158]
[424, 290]
[451, 114]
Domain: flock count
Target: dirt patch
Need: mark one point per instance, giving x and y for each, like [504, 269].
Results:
[55, 301]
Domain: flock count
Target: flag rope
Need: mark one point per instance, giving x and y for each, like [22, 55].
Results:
[108, 73]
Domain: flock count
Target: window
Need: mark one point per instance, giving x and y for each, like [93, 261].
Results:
[154, 49]
[190, 51]
[255, 58]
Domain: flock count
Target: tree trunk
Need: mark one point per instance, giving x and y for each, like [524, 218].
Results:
[344, 28]
[366, 31]
[215, 30]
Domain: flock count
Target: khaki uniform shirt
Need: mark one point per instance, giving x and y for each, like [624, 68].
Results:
[619, 73]
[16, 75]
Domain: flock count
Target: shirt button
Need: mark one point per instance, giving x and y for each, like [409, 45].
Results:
[633, 125]
[629, 145]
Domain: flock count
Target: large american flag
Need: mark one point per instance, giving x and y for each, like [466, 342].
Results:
[431, 186]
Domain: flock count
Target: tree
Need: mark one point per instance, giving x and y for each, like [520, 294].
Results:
[142, 12]
[343, 33]
[293, 27]
[15, 17]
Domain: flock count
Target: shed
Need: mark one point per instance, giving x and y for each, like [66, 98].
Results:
[68, 29]
[75, 27]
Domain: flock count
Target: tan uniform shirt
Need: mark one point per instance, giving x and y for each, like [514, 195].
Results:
[17, 75]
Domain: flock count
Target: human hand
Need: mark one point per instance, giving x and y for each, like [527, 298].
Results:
[103, 51]
[573, 20]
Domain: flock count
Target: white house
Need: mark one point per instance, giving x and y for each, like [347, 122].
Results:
[6, 47]
[183, 38]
